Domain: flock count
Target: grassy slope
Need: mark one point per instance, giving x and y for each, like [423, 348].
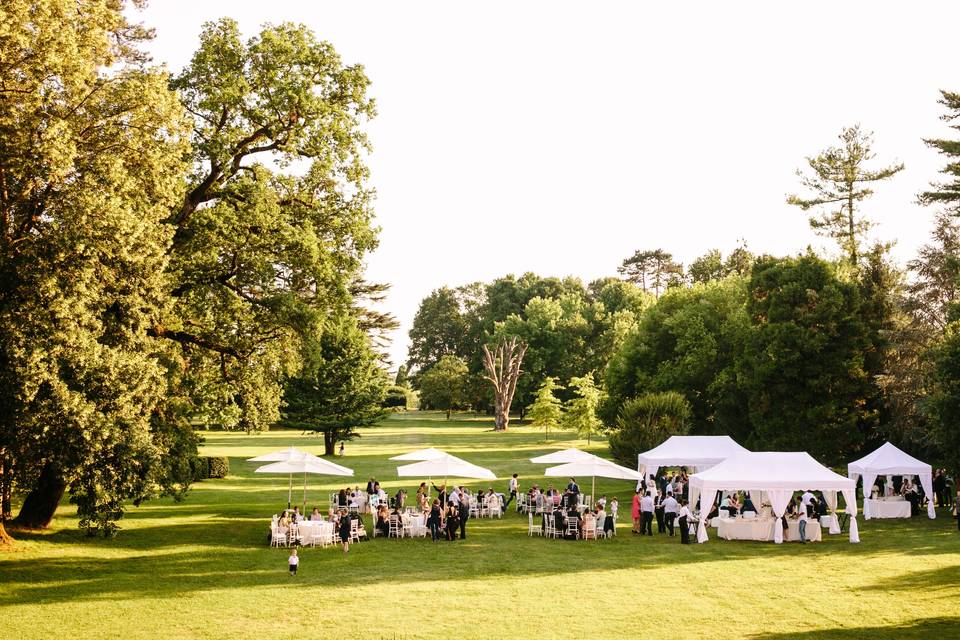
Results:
[201, 569]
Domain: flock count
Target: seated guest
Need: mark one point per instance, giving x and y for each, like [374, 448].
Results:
[588, 520]
[400, 498]
[748, 504]
[572, 515]
[383, 520]
[734, 504]
[342, 498]
[491, 500]
[315, 515]
[725, 507]
[602, 502]
[297, 516]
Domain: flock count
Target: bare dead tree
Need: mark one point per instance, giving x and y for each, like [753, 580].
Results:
[503, 369]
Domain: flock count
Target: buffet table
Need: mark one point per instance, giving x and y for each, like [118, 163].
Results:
[761, 529]
[889, 507]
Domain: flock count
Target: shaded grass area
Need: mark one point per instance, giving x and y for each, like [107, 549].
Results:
[201, 568]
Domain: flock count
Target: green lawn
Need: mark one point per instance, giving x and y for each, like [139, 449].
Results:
[201, 568]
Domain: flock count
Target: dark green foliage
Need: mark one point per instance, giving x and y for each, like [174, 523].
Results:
[199, 468]
[947, 193]
[654, 270]
[218, 467]
[444, 386]
[944, 400]
[688, 342]
[802, 369]
[396, 397]
[645, 422]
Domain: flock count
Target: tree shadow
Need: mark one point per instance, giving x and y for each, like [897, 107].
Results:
[942, 627]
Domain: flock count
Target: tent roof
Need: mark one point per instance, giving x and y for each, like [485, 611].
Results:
[692, 450]
[306, 464]
[888, 459]
[563, 456]
[771, 470]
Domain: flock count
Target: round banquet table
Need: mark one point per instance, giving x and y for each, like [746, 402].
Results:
[761, 529]
[891, 507]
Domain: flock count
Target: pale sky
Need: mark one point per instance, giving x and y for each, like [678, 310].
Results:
[560, 137]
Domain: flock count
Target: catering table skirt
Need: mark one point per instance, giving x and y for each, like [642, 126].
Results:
[895, 507]
[761, 529]
[314, 531]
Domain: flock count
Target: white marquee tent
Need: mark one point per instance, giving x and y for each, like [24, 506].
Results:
[779, 474]
[699, 452]
[888, 460]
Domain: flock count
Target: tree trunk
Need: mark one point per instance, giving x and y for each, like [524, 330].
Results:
[329, 443]
[503, 369]
[41, 503]
[5, 539]
[448, 414]
[6, 489]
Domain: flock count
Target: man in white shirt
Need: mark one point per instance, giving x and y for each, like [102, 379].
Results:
[802, 525]
[685, 518]
[454, 497]
[646, 515]
[806, 498]
[670, 510]
[514, 492]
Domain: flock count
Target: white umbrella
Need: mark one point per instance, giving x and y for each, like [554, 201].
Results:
[446, 467]
[290, 453]
[305, 464]
[564, 456]
[422, 454]
[597, 467]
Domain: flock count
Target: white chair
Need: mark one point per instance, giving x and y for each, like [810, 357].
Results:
[493, 508]
[749, 515]
[573, 528]
[355, 530]
[532, 528]
[278, 537]
[395, 529]
[589, 529]
[550, 526]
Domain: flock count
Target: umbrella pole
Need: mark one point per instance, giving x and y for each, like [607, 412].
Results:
[593, 488]
[289, 490]
[304, 492]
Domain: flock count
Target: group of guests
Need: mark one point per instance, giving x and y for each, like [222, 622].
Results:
[550, 497]
[572, 523]
[910, 491]
[341, 519]
[663, 507]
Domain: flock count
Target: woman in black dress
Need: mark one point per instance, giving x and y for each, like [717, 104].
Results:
[452, 521]
[433, 522]
[345, 520]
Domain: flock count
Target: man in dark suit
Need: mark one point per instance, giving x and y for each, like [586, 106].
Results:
[658, 512]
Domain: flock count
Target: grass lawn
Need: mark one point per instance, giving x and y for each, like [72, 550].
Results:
[201, 568]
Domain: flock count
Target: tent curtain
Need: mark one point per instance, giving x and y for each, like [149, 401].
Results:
[779, 499]
[831, 498]
[868, 480]
[706, 498]
[850, 497]
[926, 481]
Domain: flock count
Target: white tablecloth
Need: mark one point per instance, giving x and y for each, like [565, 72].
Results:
[414, 525]
[893, 507]
[762, 529]
[311, 528]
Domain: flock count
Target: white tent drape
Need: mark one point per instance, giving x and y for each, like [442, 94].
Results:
[889, 461]
[831, 499]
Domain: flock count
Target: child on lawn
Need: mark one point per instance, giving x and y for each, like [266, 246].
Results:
[293, 561]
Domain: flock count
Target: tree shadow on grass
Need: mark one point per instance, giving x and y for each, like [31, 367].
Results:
[942, 627]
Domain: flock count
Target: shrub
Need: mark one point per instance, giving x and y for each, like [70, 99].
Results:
[218, 467]
[646, 421]
[199, 468]
[396, 397]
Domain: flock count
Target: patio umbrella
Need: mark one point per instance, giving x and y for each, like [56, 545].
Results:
[423, 454]
[305, 464]
[597, 467]
[290, 453]
[563, 456]
[448, 466]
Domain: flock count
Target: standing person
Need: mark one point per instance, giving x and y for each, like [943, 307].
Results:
[370, 486]
[452, 521]
[464, 516]
[345, 521]
[293, 561]
[341, 448]
[433, 522]
[670, 508]
[802, 525]
[684, 522]
[514, 491]
[658, 512]
[573, 487]
[635, 511]
[441, 492]
[646, 514]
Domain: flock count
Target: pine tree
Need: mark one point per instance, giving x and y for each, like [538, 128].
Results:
[581, 410]
[839, 181]
[546, 410]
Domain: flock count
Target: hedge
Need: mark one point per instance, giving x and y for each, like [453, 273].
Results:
[204, 467]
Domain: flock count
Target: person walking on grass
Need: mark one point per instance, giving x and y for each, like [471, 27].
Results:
[345, 520]
[341, 448]
[514, 491]
[293, 561]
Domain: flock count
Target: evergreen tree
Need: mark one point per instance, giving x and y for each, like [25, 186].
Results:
[654, 270]
[546, 410]
[581, 410]
[839, 181]
[947, 193]
[646, 421]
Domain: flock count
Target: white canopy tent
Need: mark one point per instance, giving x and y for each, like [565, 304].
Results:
[778, 474]
[699, 452]
[888, 460]
[305, 463]
[564, 456]
[594, 467]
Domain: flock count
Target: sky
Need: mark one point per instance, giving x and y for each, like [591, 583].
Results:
[560, 137]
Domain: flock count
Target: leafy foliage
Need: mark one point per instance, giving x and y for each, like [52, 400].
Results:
[646, 421]
[444, 385]
[546, 410]
[580, 413]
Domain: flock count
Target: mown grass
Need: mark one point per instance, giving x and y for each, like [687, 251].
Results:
[201, 568]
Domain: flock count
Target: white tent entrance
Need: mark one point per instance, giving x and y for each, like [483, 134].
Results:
[779, 475]
[696, 452]
[888, 461]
